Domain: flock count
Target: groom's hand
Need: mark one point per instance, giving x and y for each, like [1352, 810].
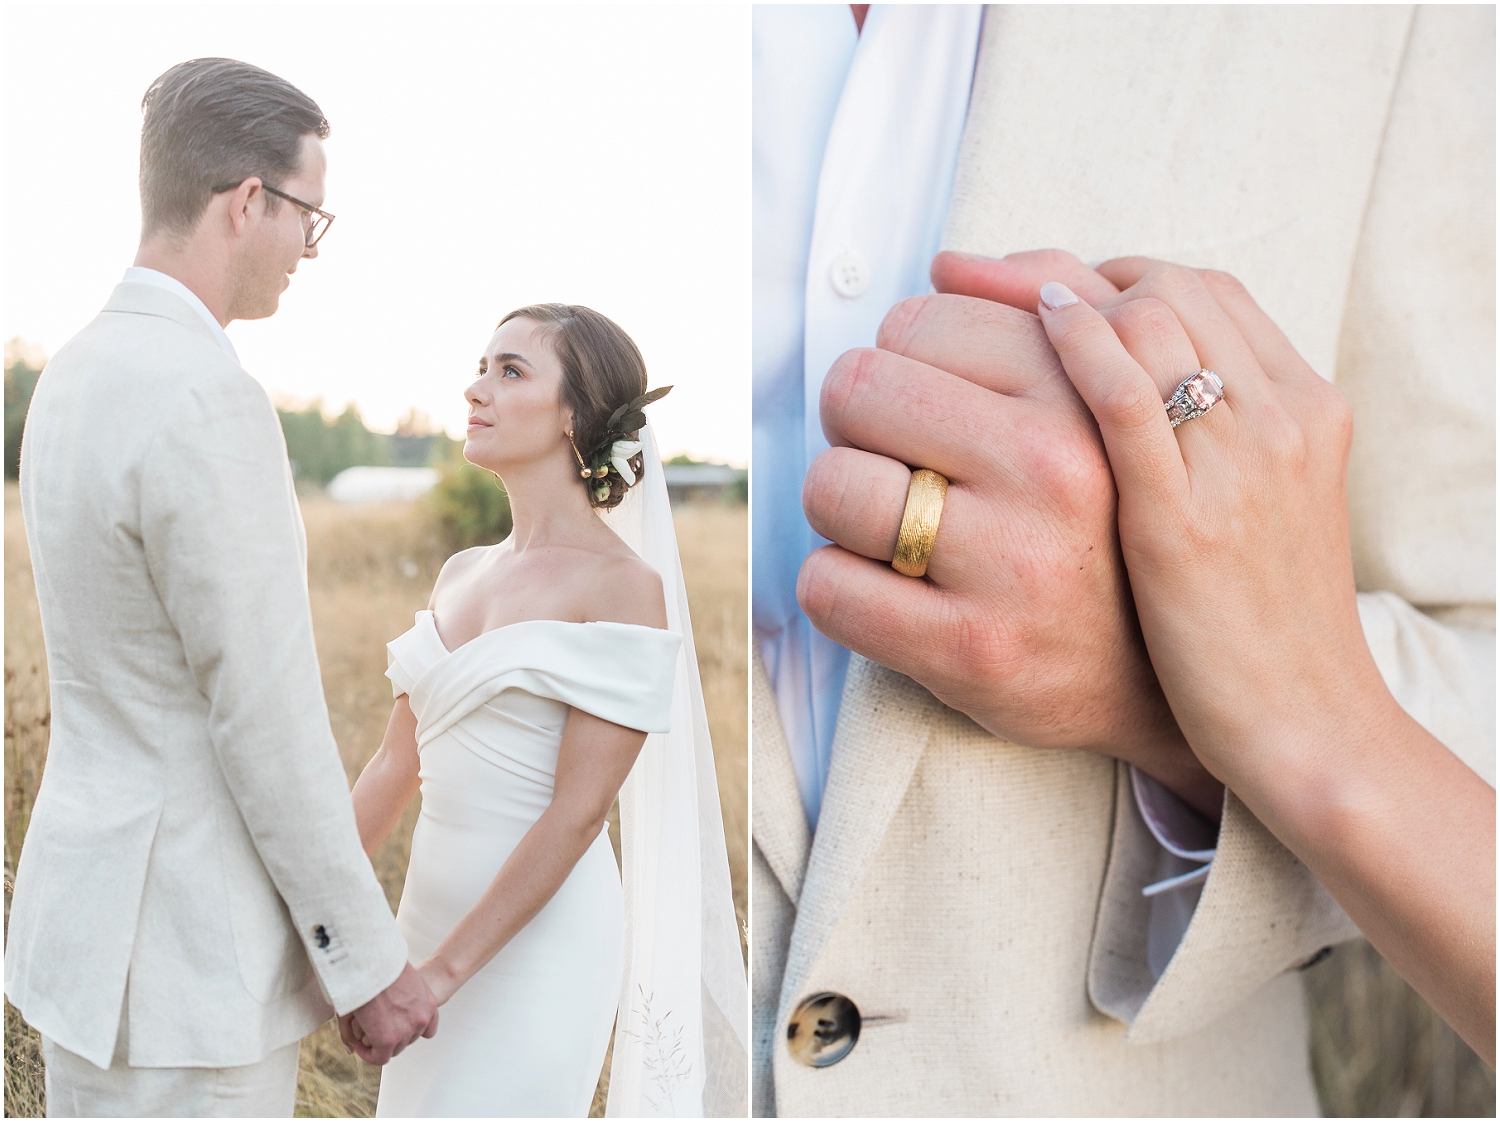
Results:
[383, 1026]
[1025, 620]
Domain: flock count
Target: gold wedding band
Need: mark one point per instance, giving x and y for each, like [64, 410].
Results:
[919, 522]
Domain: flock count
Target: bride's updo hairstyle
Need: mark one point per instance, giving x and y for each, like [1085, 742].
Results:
[602, 370]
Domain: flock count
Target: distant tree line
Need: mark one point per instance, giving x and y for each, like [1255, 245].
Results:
[318, 447]
[20, 380]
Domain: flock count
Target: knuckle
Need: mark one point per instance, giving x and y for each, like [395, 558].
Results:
[982, 647]
[1059, 261]
[1127, 403]
[816, 590]
[1221, 283]
[850, 376]
[1146, 318]
[825, 488]
[1071, 468]
[1172, 280]
[1285, 439]
[1334, 416]
[899, 327]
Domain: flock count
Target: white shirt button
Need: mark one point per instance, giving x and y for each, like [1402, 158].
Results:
[850, 275]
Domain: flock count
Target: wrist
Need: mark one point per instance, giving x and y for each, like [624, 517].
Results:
[1166, 757]
[1321, 781]
[441, 978]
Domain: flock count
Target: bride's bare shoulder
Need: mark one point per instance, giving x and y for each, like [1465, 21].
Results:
[625, 589]
[455, 568]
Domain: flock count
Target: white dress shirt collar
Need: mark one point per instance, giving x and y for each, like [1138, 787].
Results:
[139, 274]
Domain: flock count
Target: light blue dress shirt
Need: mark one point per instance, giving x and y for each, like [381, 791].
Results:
[855, 140]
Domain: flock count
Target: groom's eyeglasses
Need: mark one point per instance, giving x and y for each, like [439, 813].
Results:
[315, 220]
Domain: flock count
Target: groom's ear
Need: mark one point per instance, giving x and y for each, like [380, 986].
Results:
[1017, 279]
[239, 203]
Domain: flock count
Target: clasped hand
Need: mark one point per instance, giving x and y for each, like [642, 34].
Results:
[1182, 599]
[1025, 621]
[382, 1027]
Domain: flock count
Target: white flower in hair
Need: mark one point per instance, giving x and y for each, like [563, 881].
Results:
[619, 456]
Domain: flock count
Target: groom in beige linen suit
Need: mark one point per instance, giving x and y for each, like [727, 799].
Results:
[979, 901]
[192, 897]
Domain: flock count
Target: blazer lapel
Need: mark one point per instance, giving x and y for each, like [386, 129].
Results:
[1189, 161]
[777, 820]
[885, 721]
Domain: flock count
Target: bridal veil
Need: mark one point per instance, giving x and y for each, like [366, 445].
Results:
[681, 1033]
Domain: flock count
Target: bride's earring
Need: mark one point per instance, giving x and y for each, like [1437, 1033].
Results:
[583, 468]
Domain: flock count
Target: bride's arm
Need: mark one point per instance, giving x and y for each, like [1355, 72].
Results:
[593, 761]
[1234, 528]
[389, 779]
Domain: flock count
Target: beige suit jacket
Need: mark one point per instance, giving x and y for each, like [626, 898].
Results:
[193, 830]
[983, 899]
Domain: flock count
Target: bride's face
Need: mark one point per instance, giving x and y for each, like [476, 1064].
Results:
[516, 414]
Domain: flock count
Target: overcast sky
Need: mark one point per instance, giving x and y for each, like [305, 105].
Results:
[482, 157]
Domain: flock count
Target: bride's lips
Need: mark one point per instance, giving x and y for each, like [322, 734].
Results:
[476, 423]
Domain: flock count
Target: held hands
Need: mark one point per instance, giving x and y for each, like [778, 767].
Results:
[1234, 528]
[1025, 620]
[382, 1027]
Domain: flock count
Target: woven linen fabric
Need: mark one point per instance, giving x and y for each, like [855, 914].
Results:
[982, 899]
[193, 830]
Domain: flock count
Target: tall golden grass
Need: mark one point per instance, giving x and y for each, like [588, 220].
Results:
[1377, 1048]
[370, 569]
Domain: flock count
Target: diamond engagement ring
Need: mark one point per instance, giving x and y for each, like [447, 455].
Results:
[1195, 396]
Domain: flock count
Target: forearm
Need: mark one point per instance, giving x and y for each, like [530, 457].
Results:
[1164, 755]
[1402, 834]
[530, 877]
[235, 590]
[380, 796]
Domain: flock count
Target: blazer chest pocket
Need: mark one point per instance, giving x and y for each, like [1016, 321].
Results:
[271, 959]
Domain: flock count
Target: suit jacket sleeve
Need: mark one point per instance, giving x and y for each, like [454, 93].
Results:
[224, 545]
[1417, 362]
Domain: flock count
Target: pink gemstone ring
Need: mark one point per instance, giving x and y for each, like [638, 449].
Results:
[1195, 396]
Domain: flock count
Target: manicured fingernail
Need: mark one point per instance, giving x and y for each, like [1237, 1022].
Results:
[1056, 296]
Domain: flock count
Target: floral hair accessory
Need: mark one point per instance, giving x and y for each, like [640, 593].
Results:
[615, 448]
[619, 457]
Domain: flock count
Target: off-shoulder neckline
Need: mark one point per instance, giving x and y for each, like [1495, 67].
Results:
[432, 622]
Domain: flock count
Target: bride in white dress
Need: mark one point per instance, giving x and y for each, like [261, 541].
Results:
[550, 673]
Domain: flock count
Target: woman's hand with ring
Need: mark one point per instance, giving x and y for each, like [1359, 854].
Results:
[1234, 529]
[1024, 619]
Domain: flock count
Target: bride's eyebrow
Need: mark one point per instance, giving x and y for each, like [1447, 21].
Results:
[511, 356]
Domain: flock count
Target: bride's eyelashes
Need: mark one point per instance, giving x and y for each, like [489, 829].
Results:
[506, 371]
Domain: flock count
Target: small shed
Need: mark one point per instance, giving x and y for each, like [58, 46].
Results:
[381, 484]
[698, 482]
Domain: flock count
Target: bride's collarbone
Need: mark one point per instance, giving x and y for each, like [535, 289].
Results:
[503, 589]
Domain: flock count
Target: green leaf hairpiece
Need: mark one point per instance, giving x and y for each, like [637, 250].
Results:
[629, 416]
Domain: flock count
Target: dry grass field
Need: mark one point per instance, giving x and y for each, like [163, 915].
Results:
[1378, 1050]
[370, 568]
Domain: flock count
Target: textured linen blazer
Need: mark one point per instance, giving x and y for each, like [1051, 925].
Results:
[193, 830]
[980, 900]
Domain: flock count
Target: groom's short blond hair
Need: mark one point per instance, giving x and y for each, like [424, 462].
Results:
[215, 121]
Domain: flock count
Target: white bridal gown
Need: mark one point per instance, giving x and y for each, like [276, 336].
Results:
[527, 1034]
